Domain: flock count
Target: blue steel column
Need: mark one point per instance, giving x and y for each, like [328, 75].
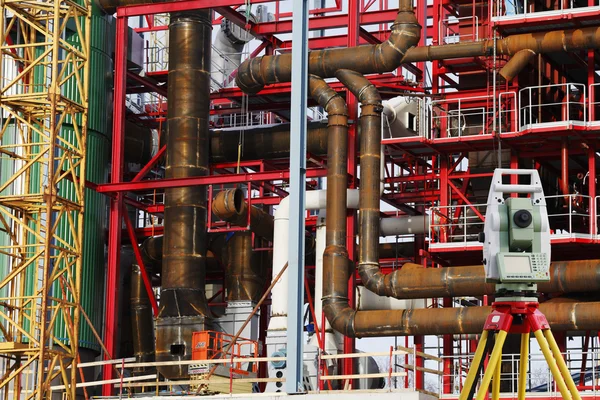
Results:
[297, 196]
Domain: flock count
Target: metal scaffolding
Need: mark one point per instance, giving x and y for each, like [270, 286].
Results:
[43, 97]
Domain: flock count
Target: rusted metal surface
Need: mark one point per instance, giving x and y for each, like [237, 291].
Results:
[245, 274]
[142, 323]
[183, 305]
[336, 266]
[370, 165]
[563, 316]
[255, 73]
[269, 143]
[538, 42]
[516, 64]
[412, 281]
[138, 143]
[229, 205]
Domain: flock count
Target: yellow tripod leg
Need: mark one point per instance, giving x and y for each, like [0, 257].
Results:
[523, 365]
[496, 381]
[560, 382]
[477, 359]
[562, 365]
[491, 367]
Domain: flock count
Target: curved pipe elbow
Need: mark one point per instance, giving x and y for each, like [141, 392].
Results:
[249, 77]
[326, 97]
[361, 87]
[340, 315]
[516, 64]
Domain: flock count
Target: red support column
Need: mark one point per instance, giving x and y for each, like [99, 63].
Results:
[353, 40]
[116, 204]
[419, 363]
[592, 191]
[448, 353]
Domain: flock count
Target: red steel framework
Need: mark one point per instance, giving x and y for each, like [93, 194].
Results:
[430, 174]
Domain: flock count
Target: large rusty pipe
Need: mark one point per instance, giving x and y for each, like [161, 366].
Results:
[183, 305]
[255, 73]
[230, 206]
[516, 64]
[538, 42]
[412, 281]
[245, 275]
[264, 143]
[142, 323]
[370, 165]
[336, 266]
[562, 316]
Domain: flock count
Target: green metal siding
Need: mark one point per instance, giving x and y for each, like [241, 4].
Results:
[98, 158]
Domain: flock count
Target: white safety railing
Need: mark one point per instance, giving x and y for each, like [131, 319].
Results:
[470, 116]
[594, 105]
[507, 112]
[539, 381]
[573, 218]
[235, 374]
[537, 111]
[459, 226]
[505, 10]
[244, 120]
[450, 29]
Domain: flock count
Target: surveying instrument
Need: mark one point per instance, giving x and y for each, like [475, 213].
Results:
[516, 255]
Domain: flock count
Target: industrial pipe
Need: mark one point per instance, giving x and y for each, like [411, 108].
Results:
[370, 168]
[230, 206]
[255, 73]
[245, 276]
[142, 323]
[516, 64]
[183, 304]
[139, 143]
[538, 42]
[264, 143]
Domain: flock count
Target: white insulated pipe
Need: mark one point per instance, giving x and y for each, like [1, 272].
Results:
[317, 200]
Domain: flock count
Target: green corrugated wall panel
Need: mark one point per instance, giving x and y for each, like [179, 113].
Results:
[95, 223]
[7, 168]
[98, 157]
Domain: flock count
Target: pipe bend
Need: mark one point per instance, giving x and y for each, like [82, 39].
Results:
[361, 87]
[326, 97]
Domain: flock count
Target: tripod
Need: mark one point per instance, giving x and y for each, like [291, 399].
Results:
[516, 317]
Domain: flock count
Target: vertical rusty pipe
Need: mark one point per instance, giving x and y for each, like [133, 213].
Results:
[257, 72]
[245, 275]
[336, 266]
[183, 305]
[229, 205]
[370, 165]
[142, 323]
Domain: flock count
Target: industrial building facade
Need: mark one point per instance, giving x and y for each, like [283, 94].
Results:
[183, 188]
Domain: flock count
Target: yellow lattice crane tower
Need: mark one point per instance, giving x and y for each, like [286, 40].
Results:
[44, 101]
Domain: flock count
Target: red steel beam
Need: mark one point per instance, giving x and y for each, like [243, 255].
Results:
[327, 22]
[140, 261]
[116, 204]
[137, 10]
[205, 180]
